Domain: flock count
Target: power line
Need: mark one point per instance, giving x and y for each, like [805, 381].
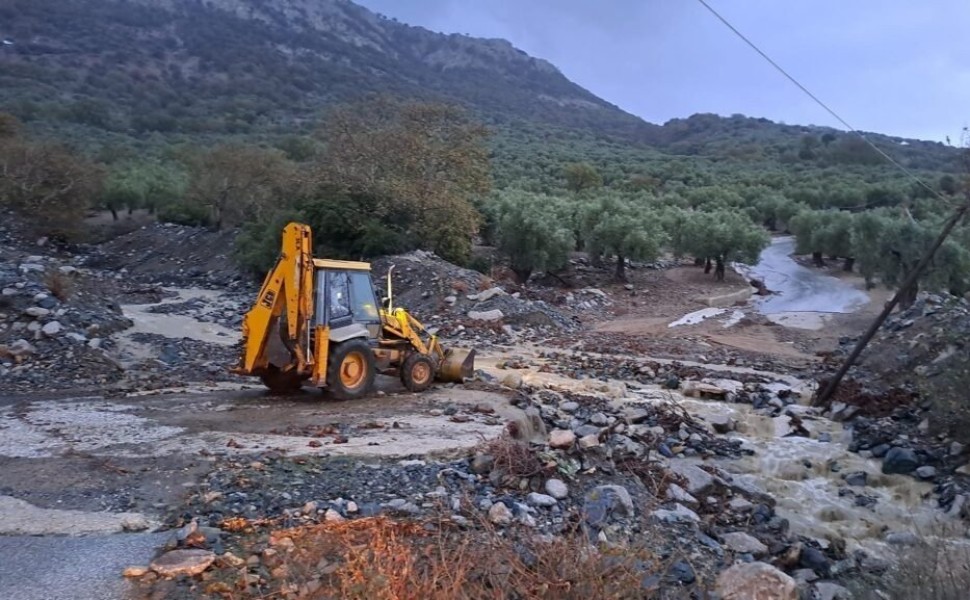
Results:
[818, 101]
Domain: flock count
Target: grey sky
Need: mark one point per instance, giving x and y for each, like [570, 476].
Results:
[900, 67]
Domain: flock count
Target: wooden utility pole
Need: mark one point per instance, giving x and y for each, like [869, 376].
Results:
[910, 281]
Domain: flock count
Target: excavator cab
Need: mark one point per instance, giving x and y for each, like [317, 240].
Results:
[320, 322]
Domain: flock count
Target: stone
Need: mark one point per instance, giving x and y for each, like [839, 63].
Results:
[755, 581]
[352, 507]
[561, 438]
[51, 329]
[956, 449]
[857, 479]
[134, 572]
[812, 558]
[485, 315]
[743, 543]
[681, 573]
[332, 516]
[679, 494]
[512, 379]
[598, 419]
[899, 460]
[678, 514]
[537, 499]
[569, 407]
[589, 441]
[604, 500]
[487, 294]
[740, 505]
[901, 538]
[17, 350]
[722, 423]
[499, 514]
[135, 523]
[826, 590]
[36, 311]
[189, 562]
[698, 480]
[926, 472]
[450, 300]
[557, 489]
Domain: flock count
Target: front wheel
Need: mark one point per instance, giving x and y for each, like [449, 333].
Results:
[351, 369]
[417, 373]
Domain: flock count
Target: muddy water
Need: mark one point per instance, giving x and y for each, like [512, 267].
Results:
[805, 476]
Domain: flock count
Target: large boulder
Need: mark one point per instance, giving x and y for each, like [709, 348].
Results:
[187, 562]
[900, 460]
[755, 581]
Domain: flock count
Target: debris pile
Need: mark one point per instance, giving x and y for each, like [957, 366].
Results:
[612, 474]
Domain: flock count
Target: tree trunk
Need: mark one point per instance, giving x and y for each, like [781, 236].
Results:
[698, 262]
[114, 214]
[908, 297]
[707, 266]
[818, 260]
[719, 271]
[596, 259]
[849, 264]
[131, 209]
[620, 265]
[522, 274]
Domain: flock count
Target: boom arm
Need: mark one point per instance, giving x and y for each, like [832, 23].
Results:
[288, 287]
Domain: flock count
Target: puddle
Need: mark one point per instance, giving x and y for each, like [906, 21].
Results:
[18, 517]
[170, 325]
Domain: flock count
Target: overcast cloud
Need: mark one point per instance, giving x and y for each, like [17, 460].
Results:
[900, 67]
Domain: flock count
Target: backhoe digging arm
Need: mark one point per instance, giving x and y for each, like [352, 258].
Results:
[287, 292]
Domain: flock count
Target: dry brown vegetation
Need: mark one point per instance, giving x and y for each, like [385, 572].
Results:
[381, 559]
[60, 285]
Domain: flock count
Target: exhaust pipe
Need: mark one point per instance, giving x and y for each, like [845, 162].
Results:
[457, 366]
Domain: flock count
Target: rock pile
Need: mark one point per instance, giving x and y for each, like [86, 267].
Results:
[614, 475]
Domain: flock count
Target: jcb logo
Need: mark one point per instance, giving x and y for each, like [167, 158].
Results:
[268, 299]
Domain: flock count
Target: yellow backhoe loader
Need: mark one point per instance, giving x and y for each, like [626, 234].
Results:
[318, 322]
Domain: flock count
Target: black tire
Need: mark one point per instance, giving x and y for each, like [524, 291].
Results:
[417, 372]
[281, 382]
[351, 369]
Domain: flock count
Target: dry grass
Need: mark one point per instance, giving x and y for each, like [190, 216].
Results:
[381, 559]
[512, 457]
[60, 285]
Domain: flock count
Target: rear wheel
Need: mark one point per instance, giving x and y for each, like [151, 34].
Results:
[351, 370]
[417, 373]
[281, 382]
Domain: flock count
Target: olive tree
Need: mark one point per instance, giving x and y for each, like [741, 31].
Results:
[533, 231]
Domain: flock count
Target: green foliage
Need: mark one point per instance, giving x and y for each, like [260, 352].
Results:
[722, 235]
[581, 177]
[533, 232]
[615, 226]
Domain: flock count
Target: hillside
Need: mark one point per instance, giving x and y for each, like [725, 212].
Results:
[153, 70]
[241, 66]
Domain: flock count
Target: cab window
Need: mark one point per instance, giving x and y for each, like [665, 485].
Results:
[364, 299]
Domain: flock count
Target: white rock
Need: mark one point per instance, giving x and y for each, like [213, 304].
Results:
[450, 300]
[332, 516]
[36, 311]
[51, 329]
[487, 294]
[561, 438]
[512, 379]
[679, 494]
[739, 541]
[135, 523]
[499, 514]
[589, 441]
[826, 590]
[755, 581]
[557, 488]
[678, 514]
[537, 499]
[698, 480]
[94, 343]
[485, 315]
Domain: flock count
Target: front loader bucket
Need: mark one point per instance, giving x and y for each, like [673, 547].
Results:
[457, 366]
